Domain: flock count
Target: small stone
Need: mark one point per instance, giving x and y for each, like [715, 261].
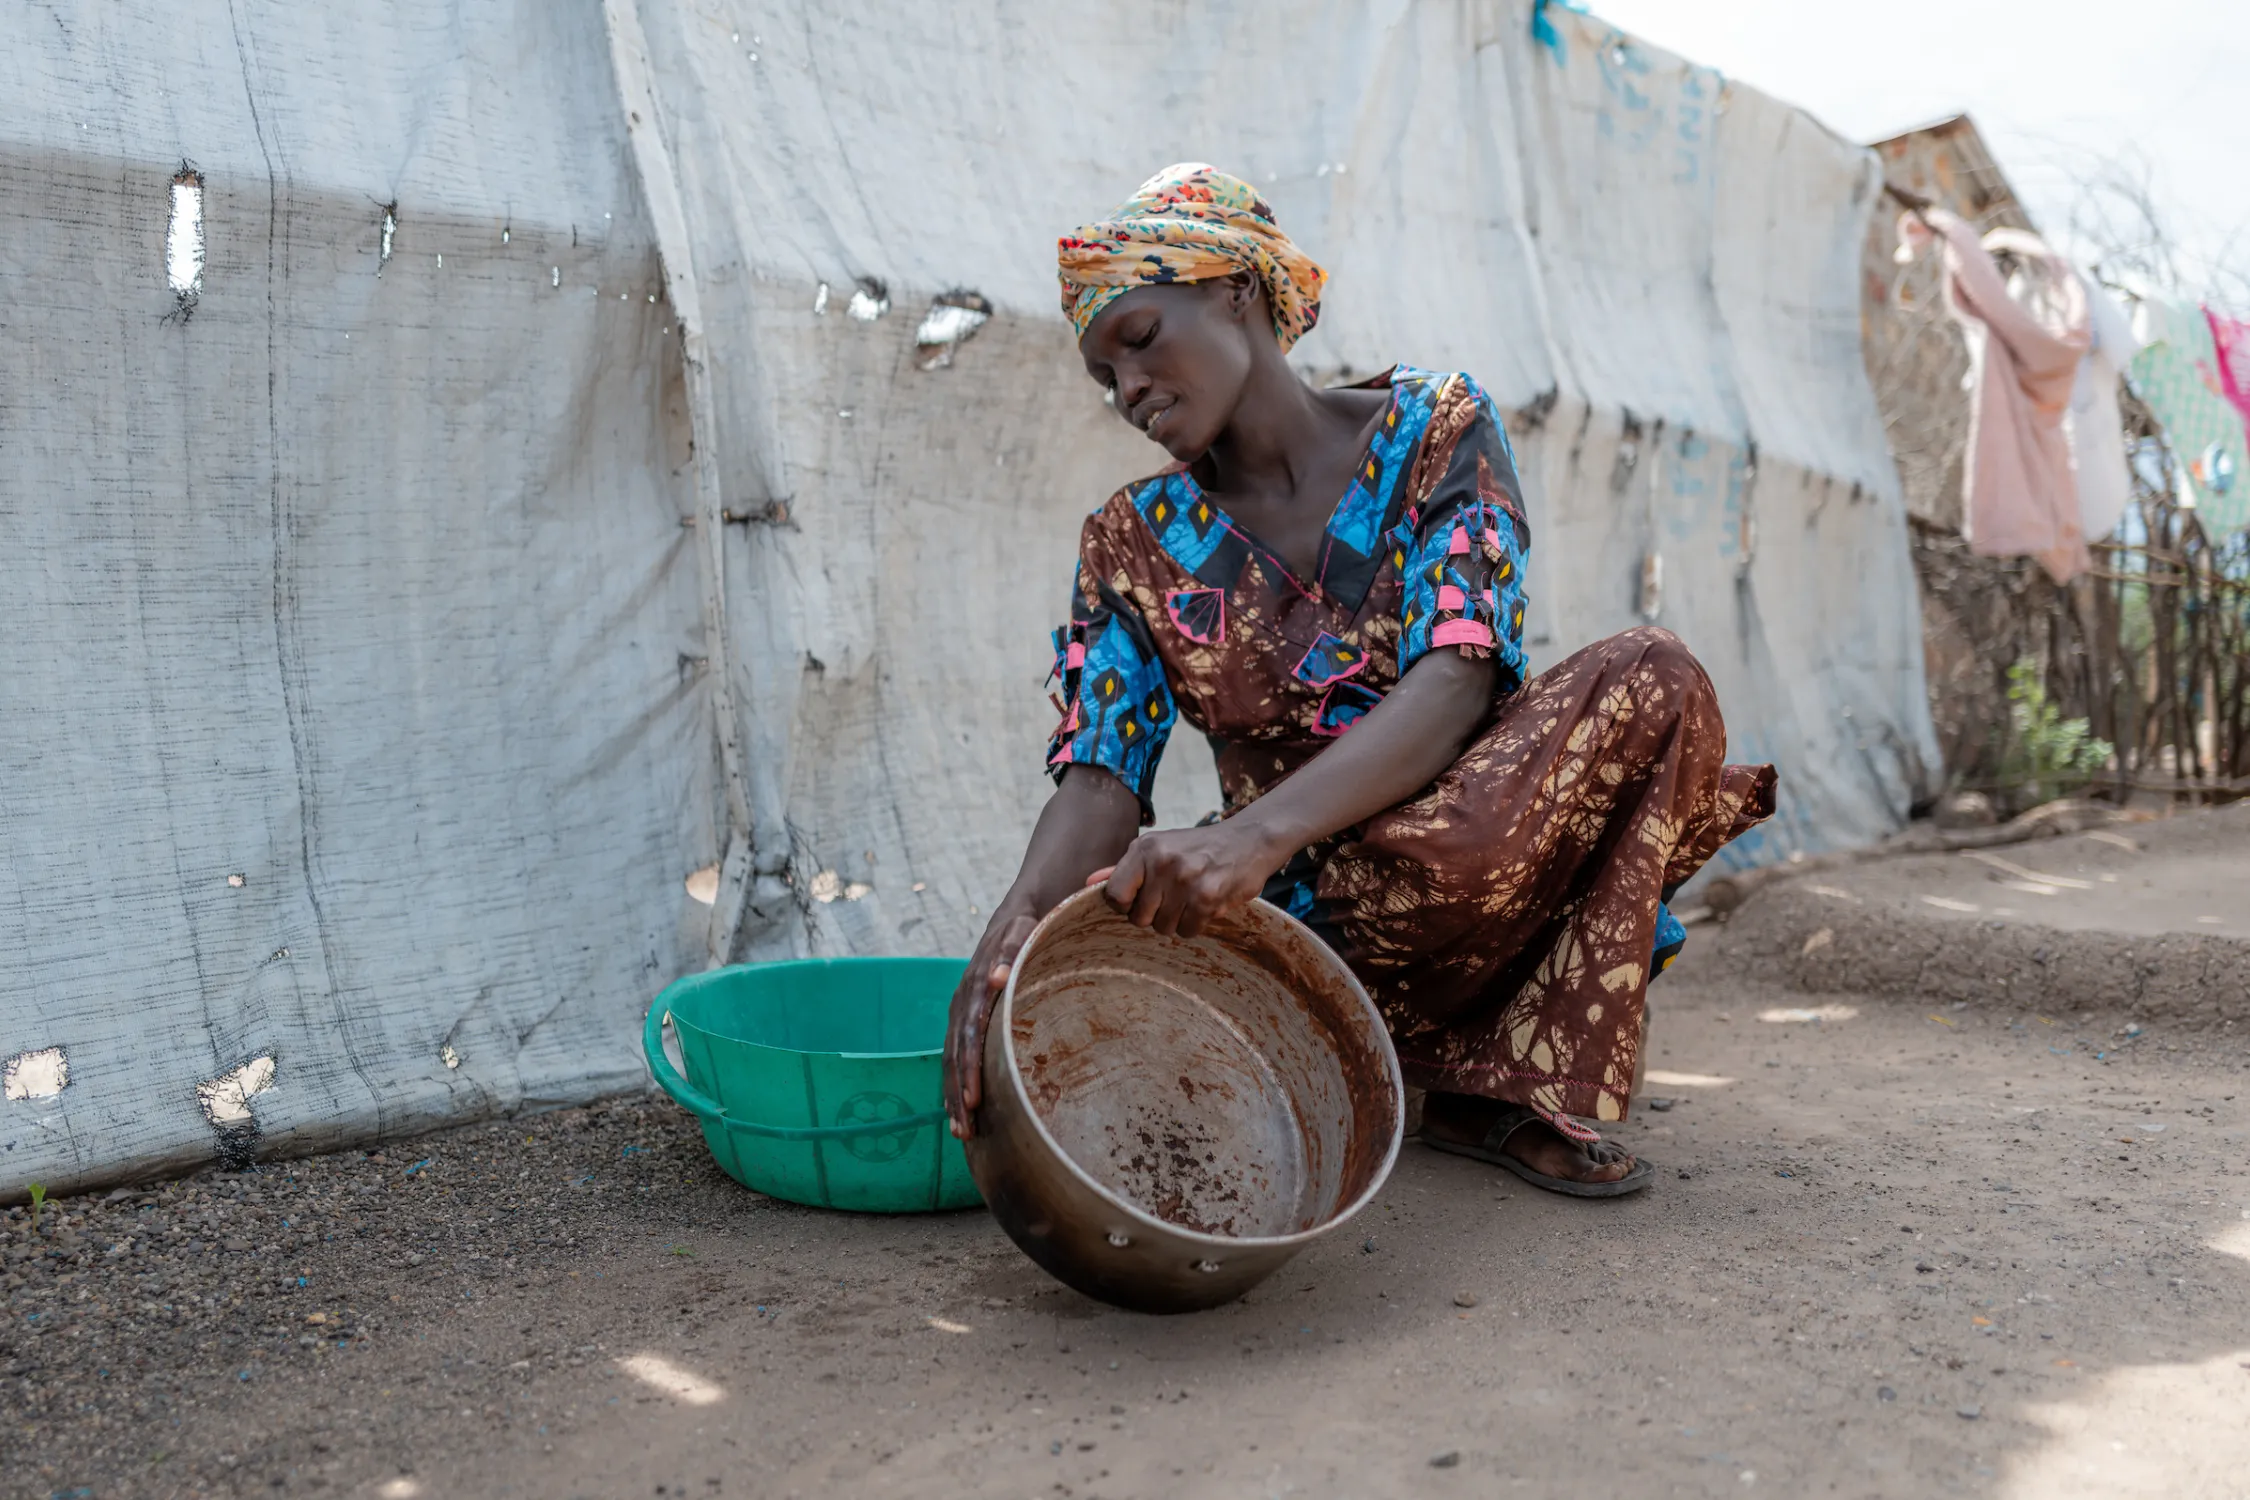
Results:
[1464, 1299]
[1924, 1267]
[1685, 1174]
[1885, 1393]
[1369, 1247]
[1661, 1105]
[1449, 1459]
[1968, 1413]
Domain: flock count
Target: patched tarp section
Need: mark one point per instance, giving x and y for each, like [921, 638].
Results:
[352, 713]
[1655, 270]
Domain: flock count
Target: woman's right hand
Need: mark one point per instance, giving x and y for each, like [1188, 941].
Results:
[1091, 819]
[980, 985]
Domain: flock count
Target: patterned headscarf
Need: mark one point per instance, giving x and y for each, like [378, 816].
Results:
[1189, 223]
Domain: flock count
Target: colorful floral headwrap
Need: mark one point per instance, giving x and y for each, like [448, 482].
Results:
[1189, 223]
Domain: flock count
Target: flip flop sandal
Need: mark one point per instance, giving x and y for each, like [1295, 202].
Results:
[1513, 1120]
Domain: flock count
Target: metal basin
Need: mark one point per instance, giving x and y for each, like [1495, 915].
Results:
[1167, 1120]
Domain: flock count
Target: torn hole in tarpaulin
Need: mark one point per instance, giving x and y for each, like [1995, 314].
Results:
[953, 319]
[828, 887]
[870, 300]
[226, 1104]
[39, 1074]
[184, 244]
[390, 231]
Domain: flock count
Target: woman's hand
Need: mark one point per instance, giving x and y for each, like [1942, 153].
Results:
[980, 984]
[1181, 880]
[1088, 822]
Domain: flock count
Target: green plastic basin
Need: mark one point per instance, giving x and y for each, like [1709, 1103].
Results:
[820, 1080]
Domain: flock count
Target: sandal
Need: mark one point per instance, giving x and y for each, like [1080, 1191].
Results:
[1512, 1119]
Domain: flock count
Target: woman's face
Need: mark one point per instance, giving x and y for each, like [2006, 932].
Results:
[1176, 358]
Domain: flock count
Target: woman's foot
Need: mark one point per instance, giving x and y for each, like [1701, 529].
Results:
[1466, 1119]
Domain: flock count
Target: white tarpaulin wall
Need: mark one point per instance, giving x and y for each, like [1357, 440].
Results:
[1656, 270]
[349, 712]
[356, 729]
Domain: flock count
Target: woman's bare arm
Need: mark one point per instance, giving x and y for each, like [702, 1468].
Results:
[1086, 825]
[1178, 880]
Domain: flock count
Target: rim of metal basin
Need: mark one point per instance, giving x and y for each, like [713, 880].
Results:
[1004, 1019]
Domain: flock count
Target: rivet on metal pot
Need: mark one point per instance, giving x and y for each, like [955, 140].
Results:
[1120, 1238]
[1207, 1266]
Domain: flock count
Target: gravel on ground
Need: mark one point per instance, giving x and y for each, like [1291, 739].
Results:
[1895, 1249]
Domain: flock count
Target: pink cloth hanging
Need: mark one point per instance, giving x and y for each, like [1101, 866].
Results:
[2020, 492]
[2231, 338]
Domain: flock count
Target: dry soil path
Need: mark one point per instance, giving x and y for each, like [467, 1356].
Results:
[1896, 1252]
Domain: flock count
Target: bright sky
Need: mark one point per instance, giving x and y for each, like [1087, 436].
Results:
[2056, 86]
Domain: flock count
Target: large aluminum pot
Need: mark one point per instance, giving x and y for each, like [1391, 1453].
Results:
[1167, 1120]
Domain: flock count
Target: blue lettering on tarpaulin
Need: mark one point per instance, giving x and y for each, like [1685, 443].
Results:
[1543, 27]
[1647, 106]
[1691, 491]
[1688, 124]
[1620, 63]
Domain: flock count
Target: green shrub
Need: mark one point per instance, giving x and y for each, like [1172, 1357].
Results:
[2049, 756]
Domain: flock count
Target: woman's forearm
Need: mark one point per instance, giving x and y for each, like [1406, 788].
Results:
[1400, 747]
[1086, 825]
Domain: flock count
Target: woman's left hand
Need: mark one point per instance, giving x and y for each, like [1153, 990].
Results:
[1180, 880]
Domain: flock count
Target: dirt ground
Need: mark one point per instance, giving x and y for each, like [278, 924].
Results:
[1893, 1251]
[2149, 919]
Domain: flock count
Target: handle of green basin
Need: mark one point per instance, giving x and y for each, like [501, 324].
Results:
[668, 1077]
[693, 1099]
[834, 1132]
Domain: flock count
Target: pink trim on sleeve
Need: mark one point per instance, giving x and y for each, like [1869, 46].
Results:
[1449, 597]
[1462, 633]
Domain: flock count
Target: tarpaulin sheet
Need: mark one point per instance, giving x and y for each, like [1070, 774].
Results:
[1656, 270]
[357, 710]
[350, 712]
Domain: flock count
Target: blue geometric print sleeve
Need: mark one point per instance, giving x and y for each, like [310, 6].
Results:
[1117, 709]
[1460, 550]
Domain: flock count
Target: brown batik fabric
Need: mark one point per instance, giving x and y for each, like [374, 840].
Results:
[1505, 920]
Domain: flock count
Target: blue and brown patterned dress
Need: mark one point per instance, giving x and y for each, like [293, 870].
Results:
[1508, 919]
